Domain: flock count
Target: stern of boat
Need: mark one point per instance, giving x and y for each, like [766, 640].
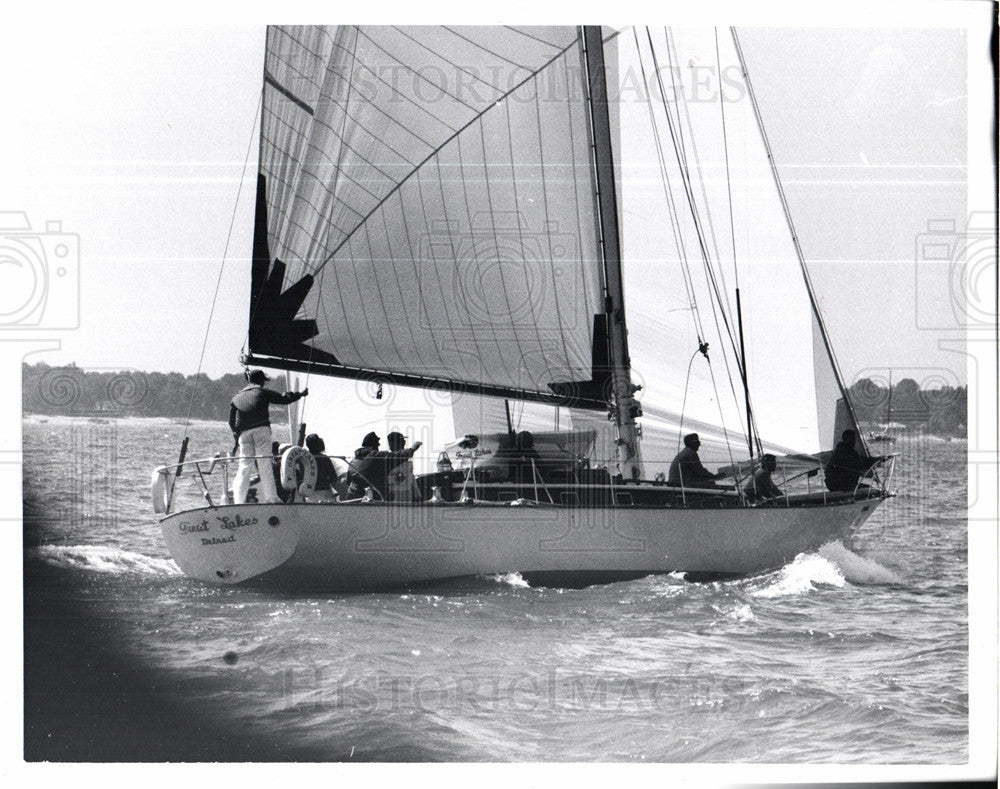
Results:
[230, 544]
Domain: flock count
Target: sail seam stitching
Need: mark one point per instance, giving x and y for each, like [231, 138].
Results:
[439, 148]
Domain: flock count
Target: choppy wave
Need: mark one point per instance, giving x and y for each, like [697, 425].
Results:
[103, 560]
[804, 574]
[509, 579]
[825, 660]
[833, 565]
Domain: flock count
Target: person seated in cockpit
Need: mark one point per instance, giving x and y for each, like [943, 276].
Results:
[845, 467]
[401, 484]
[686, 469]
[760, 486]
[326, 474]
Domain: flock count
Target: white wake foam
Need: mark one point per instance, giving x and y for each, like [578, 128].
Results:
[510, 579]
[801, 576]
[103, 559]
[858, 569]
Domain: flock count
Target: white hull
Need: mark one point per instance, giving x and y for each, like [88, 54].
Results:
[367, 545]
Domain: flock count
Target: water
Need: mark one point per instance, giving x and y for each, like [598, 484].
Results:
[854, 656]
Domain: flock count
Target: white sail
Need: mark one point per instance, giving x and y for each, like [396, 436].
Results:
[430, 198]
[674, 296]
[437, 185]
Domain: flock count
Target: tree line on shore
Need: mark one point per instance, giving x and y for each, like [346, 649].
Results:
[72, 390]
[76, 391]
[941, 410]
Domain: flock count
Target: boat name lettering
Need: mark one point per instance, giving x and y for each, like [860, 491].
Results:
[218, 540]
[478, 452]
[236, 522]
[187, 528]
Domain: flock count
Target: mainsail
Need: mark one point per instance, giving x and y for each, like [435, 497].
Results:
[426, 210]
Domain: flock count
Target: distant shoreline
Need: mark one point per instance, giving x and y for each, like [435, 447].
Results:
[178, 420]
[114, 394]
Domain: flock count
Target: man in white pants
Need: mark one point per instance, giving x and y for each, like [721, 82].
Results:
[250, 421]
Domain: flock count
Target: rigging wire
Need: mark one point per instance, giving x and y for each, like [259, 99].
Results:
[687, 381]
[672, 213]
[681, 157]
[225, 253]
[795, 241]
[696, 214]
[751, 431]
[709, 223]
[709, 274]
[725, 148]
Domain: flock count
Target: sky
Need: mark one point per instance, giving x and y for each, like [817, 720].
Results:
[135, 137]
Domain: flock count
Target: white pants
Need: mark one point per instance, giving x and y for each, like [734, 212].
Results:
[253, 443]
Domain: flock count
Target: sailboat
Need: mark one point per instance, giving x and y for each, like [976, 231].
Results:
[882, 434]
[441, 209]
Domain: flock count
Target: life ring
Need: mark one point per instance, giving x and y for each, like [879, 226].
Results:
[161, 490]
[297, 461]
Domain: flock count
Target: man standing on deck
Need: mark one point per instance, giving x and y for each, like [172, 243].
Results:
[686, 469]
[250, 421]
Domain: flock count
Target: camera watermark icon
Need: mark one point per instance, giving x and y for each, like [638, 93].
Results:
[40, 275]
[956, 274]
[928, 400]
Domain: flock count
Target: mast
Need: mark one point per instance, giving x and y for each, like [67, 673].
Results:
[743, 374]
[625, 409]
[795, 241]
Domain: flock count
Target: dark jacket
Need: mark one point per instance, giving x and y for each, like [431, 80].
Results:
[687, 468]
[368, 469]
[846, 467]
[250, 407]
[326, 474]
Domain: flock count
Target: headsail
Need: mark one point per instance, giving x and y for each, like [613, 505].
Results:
[681, 282]
[426, 210]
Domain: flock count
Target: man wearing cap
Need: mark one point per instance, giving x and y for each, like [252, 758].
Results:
[368, 466]
[686, 469]
[250, 421]
[401, 484]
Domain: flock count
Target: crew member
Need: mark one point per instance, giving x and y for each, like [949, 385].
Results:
[402, 485]
[686, 468]
[846, 467]
[326, 474]
[368, 469]
[761, 486]
[250, 421]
